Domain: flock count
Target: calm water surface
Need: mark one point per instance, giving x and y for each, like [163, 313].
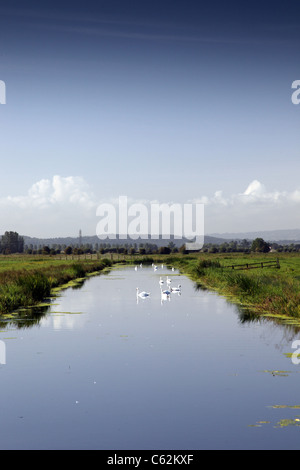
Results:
[101, 370]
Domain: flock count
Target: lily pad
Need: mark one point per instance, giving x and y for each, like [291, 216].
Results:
[292, 407]
[283, 423]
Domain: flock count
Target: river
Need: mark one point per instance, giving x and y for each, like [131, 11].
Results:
[101, 369]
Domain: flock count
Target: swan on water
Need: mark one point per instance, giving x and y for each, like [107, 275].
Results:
[176, 289]
[161, 281]
[165, 292]
[164, 297]
[169, 281]
[142, 294]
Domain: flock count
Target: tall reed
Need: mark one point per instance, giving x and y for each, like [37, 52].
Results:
[23, 288]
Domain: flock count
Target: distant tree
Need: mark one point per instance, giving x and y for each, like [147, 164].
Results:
[68, 250]
[259, 245]
[182, 249]
[233, 246]
[223, 248]
[245, 243]
[164, 250]
[12, 243]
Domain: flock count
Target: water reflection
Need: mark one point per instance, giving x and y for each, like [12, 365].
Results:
[24, 318]
[29, 317]
[249, 316]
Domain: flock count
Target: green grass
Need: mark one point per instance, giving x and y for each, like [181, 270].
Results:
[266, 290]
[25, 281]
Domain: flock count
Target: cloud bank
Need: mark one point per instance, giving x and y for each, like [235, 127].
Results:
[255, 193]
[254, 209]
[60, 191]
[57, 207]
[62, 205]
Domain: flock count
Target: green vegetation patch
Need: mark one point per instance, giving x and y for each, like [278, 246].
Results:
[279, 373]
[26, 287]
[270, 289]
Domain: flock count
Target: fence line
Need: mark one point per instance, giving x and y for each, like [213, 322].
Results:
[262, 264]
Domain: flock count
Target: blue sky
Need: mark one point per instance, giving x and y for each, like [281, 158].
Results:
[173, 101]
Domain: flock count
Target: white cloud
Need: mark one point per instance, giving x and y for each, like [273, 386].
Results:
[295, 196]
[52, 207]
[254, 209]
[255, 189]
[62, 205]
[59, 191]
[255, 193]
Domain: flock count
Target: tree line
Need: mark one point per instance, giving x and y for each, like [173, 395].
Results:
[12, 242]
[102, 248]
[259, 245]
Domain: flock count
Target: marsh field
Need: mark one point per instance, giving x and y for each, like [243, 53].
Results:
[266, 283]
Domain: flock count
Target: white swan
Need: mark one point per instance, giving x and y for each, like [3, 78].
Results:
[155, 268]
[176, 289]
[168, 280]
[143, 294]
[166, 292]
[136, 268]
[164, 297]
[161, 281]
[173, 269]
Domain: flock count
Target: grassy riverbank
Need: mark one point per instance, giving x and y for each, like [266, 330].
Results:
[267, 290]
[26, 281]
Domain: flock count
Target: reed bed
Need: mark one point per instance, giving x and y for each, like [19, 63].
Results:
[27, 287]
[266, 291]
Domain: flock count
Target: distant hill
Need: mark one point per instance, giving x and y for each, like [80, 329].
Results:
[282, 237]
[279, 236]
